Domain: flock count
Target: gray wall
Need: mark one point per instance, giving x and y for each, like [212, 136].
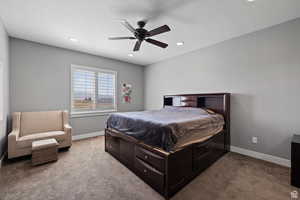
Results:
[4, 59]
[261, 70]
[40, 80]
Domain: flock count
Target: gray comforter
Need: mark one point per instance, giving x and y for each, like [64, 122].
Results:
[168, 128]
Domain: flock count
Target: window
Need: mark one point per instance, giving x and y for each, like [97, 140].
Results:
[93, 90]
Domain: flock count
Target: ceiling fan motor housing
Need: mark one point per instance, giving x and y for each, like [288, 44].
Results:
[141, 24]
[141, 34]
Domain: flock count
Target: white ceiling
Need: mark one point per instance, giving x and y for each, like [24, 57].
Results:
[199, 23]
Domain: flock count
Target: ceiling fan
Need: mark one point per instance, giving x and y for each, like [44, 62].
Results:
[141, 34]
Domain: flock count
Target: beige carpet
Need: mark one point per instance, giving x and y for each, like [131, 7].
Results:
[87, 172]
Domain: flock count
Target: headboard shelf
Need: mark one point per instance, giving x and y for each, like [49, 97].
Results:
[218, 102]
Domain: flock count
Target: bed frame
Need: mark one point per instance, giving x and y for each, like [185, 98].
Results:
[168, 172]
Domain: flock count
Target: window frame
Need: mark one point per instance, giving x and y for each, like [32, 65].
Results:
[92, 112]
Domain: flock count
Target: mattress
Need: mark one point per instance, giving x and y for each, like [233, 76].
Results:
[170, 128]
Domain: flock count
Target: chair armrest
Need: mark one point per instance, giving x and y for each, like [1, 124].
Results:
[12, 143]
[68, 132]
[14, 135]
[67, 127]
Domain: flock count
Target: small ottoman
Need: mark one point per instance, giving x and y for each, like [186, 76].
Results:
[44, 151]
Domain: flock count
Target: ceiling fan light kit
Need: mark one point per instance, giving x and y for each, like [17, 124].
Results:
[141, 34]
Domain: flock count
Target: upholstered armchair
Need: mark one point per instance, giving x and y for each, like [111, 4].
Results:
[32, 126]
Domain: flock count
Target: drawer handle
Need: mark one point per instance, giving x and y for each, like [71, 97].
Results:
[146, 157]
[145, 171]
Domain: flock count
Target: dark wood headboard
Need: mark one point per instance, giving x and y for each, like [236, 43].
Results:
[218, 102]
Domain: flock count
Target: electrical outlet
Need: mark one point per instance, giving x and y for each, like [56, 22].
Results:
[254, 140]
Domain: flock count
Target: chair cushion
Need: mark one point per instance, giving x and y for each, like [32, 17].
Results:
[38, 122]
[26, 141]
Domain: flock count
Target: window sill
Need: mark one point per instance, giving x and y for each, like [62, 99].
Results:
[91, 114]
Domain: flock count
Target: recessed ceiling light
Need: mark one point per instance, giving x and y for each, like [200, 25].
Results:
[180, 43]
[130, 55]
[250, 0]
[73, 39]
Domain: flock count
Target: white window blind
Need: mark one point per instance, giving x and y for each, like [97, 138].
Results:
[93, 90]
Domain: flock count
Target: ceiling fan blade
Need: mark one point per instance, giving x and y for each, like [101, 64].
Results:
[159, 30]
[157, 43]
[137, 45]
[121, 38]
[128, 26]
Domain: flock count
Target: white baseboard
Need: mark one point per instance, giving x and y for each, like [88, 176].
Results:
[87, 135]
[262, 156]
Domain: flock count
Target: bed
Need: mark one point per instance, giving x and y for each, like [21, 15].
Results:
[167, 148]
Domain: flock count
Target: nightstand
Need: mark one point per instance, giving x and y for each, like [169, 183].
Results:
[295, 161]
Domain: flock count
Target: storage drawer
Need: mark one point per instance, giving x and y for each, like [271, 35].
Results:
[150, 158]
[201, 150]
[112, 144]
[202, 156]
[149, 174]
[127, 153]
[218, 147]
